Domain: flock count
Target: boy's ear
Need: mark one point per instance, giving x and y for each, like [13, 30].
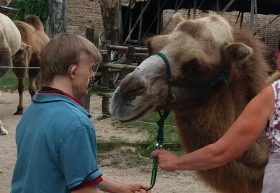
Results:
[72, 70]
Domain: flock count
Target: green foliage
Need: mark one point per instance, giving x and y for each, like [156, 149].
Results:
[34, 7]
[9, 82]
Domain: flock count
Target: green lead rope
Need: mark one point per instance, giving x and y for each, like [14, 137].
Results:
[159, 145]
[154, 173]
[160, 122]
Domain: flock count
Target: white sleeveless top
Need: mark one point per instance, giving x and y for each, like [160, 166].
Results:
[273, 131]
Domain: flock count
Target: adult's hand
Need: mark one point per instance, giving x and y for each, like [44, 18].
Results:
[166, 159]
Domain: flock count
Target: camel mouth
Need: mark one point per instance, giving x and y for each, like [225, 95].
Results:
[131, 108]
[137, 116]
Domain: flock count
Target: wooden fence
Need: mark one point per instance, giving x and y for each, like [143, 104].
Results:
[130, 58]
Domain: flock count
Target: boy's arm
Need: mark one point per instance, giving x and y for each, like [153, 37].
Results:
[110, 185]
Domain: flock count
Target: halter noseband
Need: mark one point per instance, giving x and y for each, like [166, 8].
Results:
[168, 75]
[223, 76]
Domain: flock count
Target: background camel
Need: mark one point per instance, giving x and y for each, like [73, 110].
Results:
[216, 70]
[34, 40]
[10, 41]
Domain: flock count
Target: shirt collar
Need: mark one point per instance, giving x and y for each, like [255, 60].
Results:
[47, 97]
[46, 89]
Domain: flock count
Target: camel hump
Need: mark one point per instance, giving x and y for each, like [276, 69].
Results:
[34, 21]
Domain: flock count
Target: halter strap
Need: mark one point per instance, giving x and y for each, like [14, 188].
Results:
[167, 64]
[223, 76]
[168, 73]
[163, 115]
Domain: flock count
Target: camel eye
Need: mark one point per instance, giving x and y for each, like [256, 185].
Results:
[193, 67]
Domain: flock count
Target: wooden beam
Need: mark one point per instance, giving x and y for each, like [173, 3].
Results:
[120, 66]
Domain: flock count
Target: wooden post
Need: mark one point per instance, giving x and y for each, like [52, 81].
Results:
[105, 86]
[112, 22]
[86, 99]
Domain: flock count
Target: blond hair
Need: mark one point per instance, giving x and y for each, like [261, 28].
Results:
[62, 51]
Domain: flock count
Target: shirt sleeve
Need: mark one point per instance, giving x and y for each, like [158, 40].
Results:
[78, 157]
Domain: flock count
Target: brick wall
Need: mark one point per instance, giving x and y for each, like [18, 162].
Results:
[82, 14]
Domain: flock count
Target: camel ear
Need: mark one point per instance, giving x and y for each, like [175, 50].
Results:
[147, 42]
[177, 18]
[237, 52]
[156, 43]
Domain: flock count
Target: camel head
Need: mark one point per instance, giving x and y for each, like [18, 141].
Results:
[200, 53]
[22, 56]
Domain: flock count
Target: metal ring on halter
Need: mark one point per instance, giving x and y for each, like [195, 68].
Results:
[172, 98]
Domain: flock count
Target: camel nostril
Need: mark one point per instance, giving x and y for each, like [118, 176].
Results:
[132, 87]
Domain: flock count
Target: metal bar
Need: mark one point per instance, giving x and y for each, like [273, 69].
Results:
[194, 9]
[218, 6]
[125, 48]
[154, 19]
[140, 24]
[252, 16]
[239, 13]
[18, 67]
[158, 19]
[138, 19]
[130, 19]
[200, 4]
[120, 66]
[227, 6]
[241, 20]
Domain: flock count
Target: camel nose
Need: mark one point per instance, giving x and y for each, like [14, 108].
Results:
[132, 86]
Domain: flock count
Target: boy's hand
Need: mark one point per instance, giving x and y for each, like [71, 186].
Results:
[138, 188]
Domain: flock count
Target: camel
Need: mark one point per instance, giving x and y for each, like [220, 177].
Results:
[10, 42]
[34, 40]
[215, 71]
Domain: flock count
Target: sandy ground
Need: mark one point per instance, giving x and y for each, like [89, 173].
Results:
[167, 182]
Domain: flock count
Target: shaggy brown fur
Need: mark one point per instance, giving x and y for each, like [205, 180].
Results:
[198, 52]
[275, 76]
[207, 118]
[35, 39]
[206, 123]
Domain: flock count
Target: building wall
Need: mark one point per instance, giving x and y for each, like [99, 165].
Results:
[82, 14]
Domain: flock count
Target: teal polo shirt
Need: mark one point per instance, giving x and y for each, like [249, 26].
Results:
[56, 146]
